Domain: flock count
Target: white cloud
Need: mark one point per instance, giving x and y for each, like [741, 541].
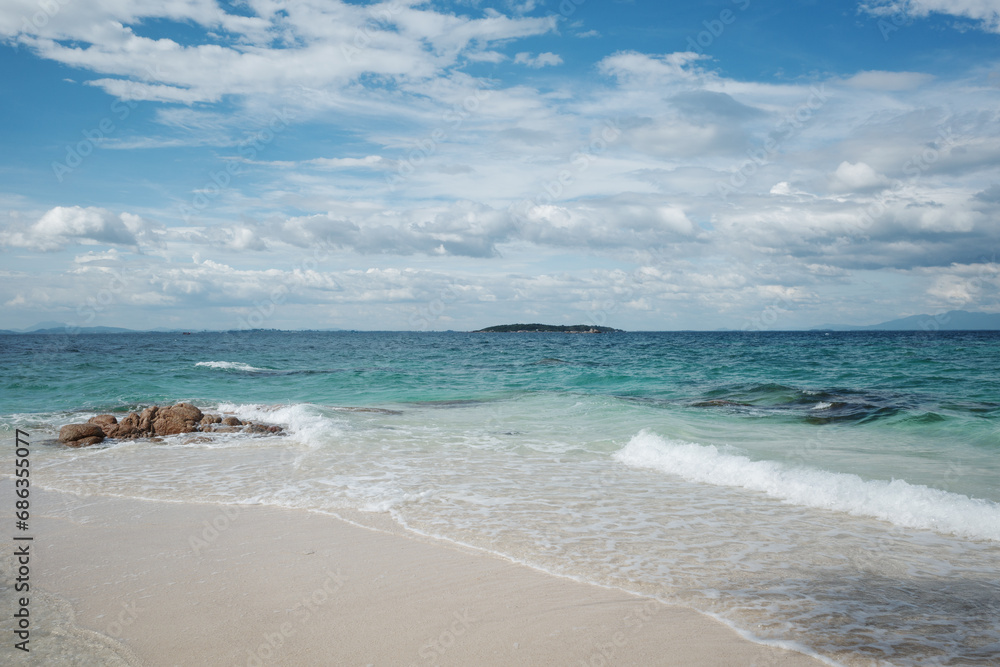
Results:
[64, 225]
[325, 46]
[856, 177]
[621, 174]
[111, 255]
[643, 69]
[541, 60]
[985, 12]
[880, 80]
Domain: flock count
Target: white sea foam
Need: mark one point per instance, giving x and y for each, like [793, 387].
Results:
[822, 405]
[305, 422]
[896, 501]
[229, 365]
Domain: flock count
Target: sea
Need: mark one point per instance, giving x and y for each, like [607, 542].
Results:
[837, 493]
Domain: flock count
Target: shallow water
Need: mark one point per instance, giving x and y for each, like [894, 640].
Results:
[837, 492]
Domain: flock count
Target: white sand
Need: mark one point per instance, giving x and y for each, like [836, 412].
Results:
[154, 583]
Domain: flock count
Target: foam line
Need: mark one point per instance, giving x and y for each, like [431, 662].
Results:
[896, 501]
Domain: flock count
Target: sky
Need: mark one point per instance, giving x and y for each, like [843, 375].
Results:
[405, 165]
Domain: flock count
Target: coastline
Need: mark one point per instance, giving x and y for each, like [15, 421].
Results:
[164, 583]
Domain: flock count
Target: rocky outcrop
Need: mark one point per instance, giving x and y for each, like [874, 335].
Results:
[81, 435]
[156, 421]
[180, 418]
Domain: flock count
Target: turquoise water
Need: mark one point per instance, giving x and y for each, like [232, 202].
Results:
[836, 492]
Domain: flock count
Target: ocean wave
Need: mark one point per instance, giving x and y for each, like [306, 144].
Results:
[240, 367]
[229, 366]
[305, 422]
[896, 501]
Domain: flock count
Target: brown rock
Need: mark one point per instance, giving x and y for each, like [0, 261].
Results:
[186, 411]
[126, 428]
[210, 419]
[180, 418]
[262, 428]
[86, 442]
[146, 419]
[101, 420]
[232, 421]
[71, 434]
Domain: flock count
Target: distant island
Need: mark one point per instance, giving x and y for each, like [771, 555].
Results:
[547, 328]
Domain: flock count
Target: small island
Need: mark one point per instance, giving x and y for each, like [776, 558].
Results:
[547, 328]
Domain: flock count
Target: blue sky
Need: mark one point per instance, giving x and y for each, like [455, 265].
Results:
[452, 165]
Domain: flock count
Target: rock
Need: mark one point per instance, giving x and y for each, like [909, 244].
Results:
[101, 420]
[159, 421]
[81, 435]
[186, 411]
[262, 428]
[146, 419]
[180, 418]
[126, 428]
[85, 442]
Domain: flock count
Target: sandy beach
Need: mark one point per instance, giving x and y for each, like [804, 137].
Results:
[129, 581]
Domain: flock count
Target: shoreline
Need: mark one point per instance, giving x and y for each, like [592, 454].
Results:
[163, 583]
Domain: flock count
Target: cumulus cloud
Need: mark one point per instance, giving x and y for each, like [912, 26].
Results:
[856, 177]
[65, 225]
[680, 184]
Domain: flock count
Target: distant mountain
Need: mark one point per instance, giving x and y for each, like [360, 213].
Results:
[44, 326]
[60, 328]
[85, 330]
[954, 320]
[63, 328]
